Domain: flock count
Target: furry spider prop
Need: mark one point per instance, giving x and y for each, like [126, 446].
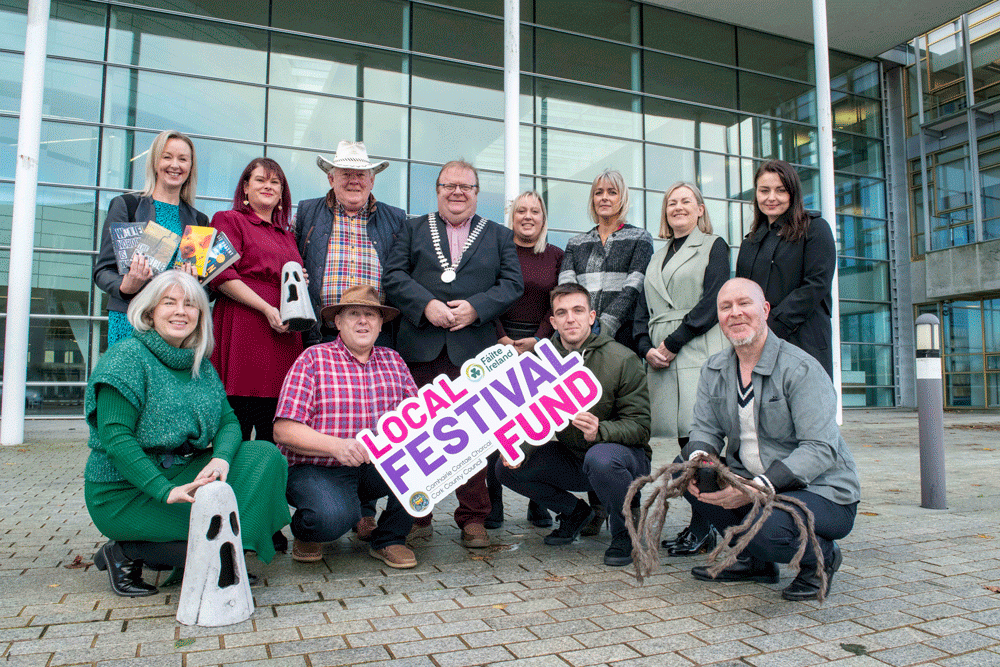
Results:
[673, 482]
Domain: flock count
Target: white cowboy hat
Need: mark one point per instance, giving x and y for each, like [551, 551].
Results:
[350, 155]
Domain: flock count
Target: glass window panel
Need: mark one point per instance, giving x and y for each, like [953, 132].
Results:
[991, 324]
[61, 285]
[861, 79]
[610, 19]
[776, 97]
[296, 119]
[863, 279]
[857, 154]
[963, 363]
[986, 65]
[446, 33]
[220, 163]
[68, 154]
[862, 237]
[64, 217]
[459, 88]
[718, 175]
[11, 73]
[320, 66]
[156, 101]
[865, 323]
[777, 140]
[76, 29]
[246, 11]
[688, 80]
[186, 45]
[340, 20]
[855, 196]
[691, 126]
[964, 390]
[13, 23]
[8, 147]
[475, 140]
[575, 58]
[665, 166]
[573, 107]
[581, 157]
[963, 327]
[386, 130]
[865, 365]
[58, 351]
[688, 35]
[775, 55]
[859, 115]
[567, 207]
[72, 90]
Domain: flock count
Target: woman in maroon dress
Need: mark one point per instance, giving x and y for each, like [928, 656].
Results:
[253, 348]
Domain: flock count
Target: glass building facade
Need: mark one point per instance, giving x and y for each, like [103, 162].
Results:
[952, 85]
[659, 95]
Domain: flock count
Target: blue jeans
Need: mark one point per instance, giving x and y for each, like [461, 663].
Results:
[552, 471]
[327, 502]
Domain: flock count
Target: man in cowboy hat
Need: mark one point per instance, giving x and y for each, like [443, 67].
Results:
[345, 237]
[319, 413]
[451, 274]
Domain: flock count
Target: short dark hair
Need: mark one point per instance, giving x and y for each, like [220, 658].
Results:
[569, 288]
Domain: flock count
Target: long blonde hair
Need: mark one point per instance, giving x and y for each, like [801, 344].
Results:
[543, 236]
[704, 222]
[140, 311]
[153, 158]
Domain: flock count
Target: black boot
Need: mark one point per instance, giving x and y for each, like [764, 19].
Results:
[806, 585]
[593, 526]
[494, 519]
[619, 553]
[538, 516]
[570, 525]
[125, 574]
[744, 569]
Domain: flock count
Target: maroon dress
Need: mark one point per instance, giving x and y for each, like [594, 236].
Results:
[251, 357]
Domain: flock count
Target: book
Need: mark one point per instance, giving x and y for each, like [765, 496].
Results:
[196, 242]
[158, 244]
[124, 236]
[220, 258]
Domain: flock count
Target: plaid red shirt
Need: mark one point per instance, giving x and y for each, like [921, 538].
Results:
[329, 390]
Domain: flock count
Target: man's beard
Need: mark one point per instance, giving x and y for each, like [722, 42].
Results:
[745, 340]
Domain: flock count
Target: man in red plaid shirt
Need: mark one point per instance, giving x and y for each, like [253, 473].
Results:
[333, 391]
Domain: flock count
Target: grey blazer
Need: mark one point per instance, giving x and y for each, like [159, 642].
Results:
[796, 410]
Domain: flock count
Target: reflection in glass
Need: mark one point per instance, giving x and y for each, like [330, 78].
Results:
[297, 119]
[64, 218]
[865, 322]
[665, 166]
[13, 24]
[446, 33]
[777, 97]
[579, 59]
[862, 237]
[383, 23]
[67, 154]
[247, 11]
[11, 72]
[859, 115]
[682, 79]
[72, 90]
[459, 88]
[775, 55]
[688, 35]
[857, 154]
[580, 157]
[572, 107]
[76, 30]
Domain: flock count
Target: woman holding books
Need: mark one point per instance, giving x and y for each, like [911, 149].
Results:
[168, 200]
[254, 349]
[160, 428]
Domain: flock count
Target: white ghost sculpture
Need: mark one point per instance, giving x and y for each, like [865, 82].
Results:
[296, 310]
[216, 589]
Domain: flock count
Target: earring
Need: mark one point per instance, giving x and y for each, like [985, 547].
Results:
[279, 207]
[246, 202]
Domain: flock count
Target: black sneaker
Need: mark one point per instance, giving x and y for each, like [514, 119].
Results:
[538, 516]
[619, 553]
[571, 525]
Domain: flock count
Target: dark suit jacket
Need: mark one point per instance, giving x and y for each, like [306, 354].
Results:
[797, 279]
[489, 277]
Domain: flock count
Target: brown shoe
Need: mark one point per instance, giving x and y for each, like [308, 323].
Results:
[364, 528]
[594, 526]
[425, 532]
[395, 555]
[307, 552]
[474, 536]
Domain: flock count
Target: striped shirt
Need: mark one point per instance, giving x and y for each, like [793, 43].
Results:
[329, 390]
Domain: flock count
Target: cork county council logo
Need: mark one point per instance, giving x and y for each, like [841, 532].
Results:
[419, 501]
[475, 372]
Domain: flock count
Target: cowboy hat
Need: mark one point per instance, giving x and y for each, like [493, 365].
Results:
[351, 155]
[359, 295]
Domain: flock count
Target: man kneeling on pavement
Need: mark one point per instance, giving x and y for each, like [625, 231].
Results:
[774, 409]
[605, 448]
[333, 391]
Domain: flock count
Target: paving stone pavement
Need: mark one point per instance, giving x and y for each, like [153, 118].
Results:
[912, 590]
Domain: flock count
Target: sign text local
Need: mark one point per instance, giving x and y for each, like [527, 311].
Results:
[432, 443]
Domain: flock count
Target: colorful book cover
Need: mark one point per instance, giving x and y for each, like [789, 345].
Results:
[221, 257]
[158, 245]
[124, 236]
[196, 242]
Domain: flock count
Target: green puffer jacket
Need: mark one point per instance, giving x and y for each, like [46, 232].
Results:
[624, 404]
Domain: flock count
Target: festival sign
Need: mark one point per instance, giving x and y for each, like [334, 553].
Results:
[433, 442]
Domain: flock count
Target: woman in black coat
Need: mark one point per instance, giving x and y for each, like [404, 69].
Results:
[791, 254]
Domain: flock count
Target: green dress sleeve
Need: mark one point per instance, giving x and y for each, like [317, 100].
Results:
[116, 422]
[229, 437]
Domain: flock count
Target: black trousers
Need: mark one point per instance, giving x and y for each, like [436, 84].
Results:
[255, 412]
[778, 538]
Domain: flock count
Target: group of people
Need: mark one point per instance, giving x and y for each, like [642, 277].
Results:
[679, 350]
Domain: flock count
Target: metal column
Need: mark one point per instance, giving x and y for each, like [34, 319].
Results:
[512, 107]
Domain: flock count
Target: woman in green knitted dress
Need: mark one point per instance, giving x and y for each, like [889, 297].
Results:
[160, 428]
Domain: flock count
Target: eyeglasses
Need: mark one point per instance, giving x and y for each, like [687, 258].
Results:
[451, 187]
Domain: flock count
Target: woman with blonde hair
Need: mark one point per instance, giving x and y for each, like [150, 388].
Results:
[167, 199]
[527, 321]
[609, 260]
[160, 428]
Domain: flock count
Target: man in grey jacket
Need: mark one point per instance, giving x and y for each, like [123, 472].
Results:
[773, 408]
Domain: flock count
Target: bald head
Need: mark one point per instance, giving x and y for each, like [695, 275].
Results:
[743, 312]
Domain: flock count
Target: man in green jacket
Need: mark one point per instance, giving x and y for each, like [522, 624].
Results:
[604, 448]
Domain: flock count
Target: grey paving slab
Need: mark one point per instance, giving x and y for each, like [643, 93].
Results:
[911, 590]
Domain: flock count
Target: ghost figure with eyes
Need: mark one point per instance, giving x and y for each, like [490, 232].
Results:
[296, 311]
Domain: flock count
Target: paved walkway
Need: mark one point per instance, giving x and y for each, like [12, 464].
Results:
[912, 589]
